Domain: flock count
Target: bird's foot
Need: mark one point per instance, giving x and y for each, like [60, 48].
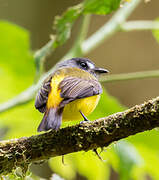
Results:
[84, 117]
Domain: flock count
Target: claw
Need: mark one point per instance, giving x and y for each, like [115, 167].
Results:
[82, 122]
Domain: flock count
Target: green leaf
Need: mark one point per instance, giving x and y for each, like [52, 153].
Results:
[147, 139]
[156, 32]
[147, 144]
[16, 60]
[128, 159]
[101, 7]
[63, 24]
[151, 159]
[16, 74]
[86, 164]
[15, 49]
[21, 121]
[64, 170]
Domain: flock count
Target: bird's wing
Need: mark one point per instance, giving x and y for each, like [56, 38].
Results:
[42, 95]
[76, 88]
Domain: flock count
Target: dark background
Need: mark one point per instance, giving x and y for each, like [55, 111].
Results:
[124, 52]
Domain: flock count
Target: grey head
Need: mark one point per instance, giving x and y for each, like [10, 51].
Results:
[84, 64]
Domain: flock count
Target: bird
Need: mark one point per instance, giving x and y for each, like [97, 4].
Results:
[70, 92]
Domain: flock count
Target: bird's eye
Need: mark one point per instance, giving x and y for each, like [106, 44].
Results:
[84, 65]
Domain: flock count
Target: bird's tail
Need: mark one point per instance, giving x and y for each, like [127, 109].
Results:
[51, 120]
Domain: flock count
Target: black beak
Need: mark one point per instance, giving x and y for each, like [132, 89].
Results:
[100, 70]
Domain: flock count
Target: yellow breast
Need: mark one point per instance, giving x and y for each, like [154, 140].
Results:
[86, 105]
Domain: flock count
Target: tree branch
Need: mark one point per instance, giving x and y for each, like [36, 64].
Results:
[87, 136]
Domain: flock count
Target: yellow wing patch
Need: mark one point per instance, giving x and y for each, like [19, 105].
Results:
[54, 97]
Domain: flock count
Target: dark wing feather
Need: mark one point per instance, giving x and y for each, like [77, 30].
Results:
[42, 95]
[76, 88]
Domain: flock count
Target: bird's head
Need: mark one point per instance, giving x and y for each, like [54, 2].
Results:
[84, 64]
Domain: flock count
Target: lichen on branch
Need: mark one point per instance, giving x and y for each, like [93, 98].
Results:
[99, 133]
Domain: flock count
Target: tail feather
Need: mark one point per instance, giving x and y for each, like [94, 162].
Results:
[51, 120]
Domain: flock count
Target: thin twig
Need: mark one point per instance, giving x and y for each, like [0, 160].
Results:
[21, 98]
[130, 76]
[110, 27]
[87, 136]
[139, 25]
[40, 55]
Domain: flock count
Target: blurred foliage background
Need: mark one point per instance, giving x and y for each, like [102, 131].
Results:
[25, 26]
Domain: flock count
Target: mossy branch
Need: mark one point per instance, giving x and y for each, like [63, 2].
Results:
[87, 136]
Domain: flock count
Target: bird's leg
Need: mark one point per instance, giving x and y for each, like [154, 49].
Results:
[96, 152]
[84, 117]
[63, 160]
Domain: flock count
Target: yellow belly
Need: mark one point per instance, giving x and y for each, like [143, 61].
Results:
[85, 105]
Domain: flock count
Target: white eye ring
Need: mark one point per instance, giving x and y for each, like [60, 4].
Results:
[91, 66]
